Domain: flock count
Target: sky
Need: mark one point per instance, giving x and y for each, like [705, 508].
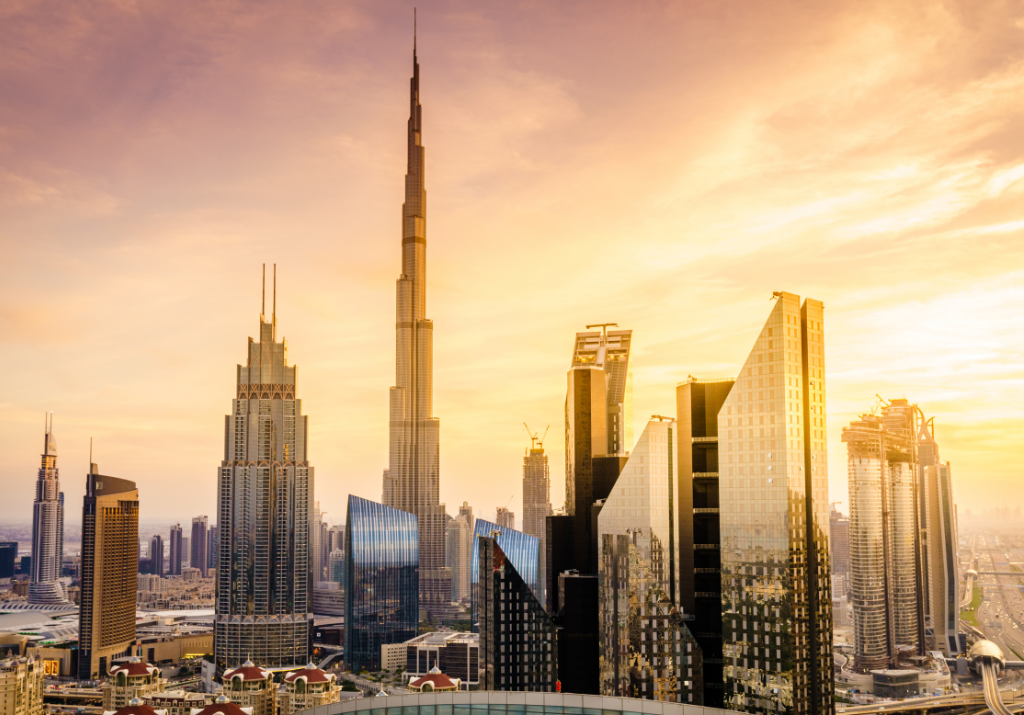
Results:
[662, 165]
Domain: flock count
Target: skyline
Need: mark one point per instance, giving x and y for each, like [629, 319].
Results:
[681, 236]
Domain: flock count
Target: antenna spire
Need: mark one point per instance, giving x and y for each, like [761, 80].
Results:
[263, 302]
[273, 315]
[414, 33]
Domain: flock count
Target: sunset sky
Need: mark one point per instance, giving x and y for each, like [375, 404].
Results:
[665, 166]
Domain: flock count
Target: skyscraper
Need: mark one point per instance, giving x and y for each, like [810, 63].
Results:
[47, 527]
[698, 405]
[412, 480]
[522, 550]
[773, 489]
[586, 435]
[174, 557]
[381, 581]
[536, 489]
[505, 518]
[647, 650]
[942, 564]
[458, 551]
[110, 566]
[212, 541]
[609, 350]
[156, 554]
[839, 529]
[264, 514]
[199, 544]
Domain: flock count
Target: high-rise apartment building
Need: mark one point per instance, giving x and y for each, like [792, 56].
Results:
[212, 543]
[156, 554]
[458, 551]
[536, 489]
[941, 563]
[199, 544]
[264, 510]
[412, 480]
[381, 581]
[466, 512]
[175, 556]
[647, 650]
[8, 556]
[110, 567]
[839, 528]
[773, 492]
[47, 527]
[505, 518]
[517, 636]
[609, 350]
[698, 404]
[22, 685]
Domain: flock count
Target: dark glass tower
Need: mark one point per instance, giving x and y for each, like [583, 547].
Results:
[698, 403]
[381, 580]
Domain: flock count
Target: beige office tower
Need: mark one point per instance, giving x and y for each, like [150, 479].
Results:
[609, 351]
[774, 508]
[264, 515]
[110, 567]
[942, 627]
[459, 552]
[537, 500]
[412, 482]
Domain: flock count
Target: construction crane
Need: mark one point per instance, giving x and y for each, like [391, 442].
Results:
[536, 443]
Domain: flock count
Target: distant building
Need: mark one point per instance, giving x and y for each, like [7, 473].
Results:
[177, 702]
[337, 567]
[638, 549]
[110, 534]
[174, 561]
[381, 580]
[521, 549]
[8, 555]
[506, 518]
[536, 497]
[21, 686]
[199, 544]
[328, 599]
[306, 689]
[250, 687]
[156, 554]
[698, 404]
[127, 681]
[458, 550]
[517, 636]
[839, 528]
[47, 528]
[455, 652]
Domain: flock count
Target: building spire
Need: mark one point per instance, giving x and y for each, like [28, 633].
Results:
[414, 34]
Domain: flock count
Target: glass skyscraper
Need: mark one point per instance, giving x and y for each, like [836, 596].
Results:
[47, 527]
[609, 350]
[521, 549]
[381, 580]
[647, 651]
[412, 480]
[264, 508]
[773, 490]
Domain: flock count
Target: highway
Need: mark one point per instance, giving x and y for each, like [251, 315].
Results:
[1001, 613]
[990, 676]
[973, 564]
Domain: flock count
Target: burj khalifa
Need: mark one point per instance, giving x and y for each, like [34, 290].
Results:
[412, 480]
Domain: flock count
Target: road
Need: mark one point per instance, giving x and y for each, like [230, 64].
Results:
[1001, 613]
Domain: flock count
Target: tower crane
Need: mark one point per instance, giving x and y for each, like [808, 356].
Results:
[536, 443]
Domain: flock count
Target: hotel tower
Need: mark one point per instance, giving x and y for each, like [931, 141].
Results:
[47, 528]
[264, 505]
[412, 481]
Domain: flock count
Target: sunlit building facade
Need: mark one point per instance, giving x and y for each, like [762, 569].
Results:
[264, 509]
[458, 551]
[381, 581]
[110, 568]
[47, 528]
[609, 350]
[412, 480]
[773, 491]
[537, 499]
[647, 651]
[521, 549]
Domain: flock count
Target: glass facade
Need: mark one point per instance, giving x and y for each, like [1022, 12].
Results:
[609, 350]
[774, 510]
[521, 549]
[47, 528]
[381, 581]
[647, 651]
[518, 646]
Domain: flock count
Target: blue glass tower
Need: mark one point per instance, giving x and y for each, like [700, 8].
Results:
[521, 549]
[382, 580]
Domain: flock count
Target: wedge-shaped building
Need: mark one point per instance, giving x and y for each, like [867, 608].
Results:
[521, 549]
[647, 650]
[774, 512]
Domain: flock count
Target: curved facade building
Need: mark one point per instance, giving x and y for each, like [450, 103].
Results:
[264, 506]
[381, 580]
[47, 528]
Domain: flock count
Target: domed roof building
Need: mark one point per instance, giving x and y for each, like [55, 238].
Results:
[434, 682]
[250, 686]
[223, 705]
[135, 706]
[131, 679]
[306, 689]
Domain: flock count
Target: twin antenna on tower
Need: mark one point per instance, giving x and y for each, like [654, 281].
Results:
[263, 304]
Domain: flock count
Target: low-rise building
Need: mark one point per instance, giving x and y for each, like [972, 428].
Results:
[135, 707]
[130, 680]
[434, 682]
[392, 656]
[177, 702]
[223, 705]
[306, 689]
[250, 687]
[21, 686]
[456, 653]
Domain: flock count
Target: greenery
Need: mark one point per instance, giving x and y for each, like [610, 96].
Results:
[969, 614]
[348, 686]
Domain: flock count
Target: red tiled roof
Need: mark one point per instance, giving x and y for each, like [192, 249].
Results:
[438, 680]
[311, 675]
[136, 710]
[223, 706]
[250, 672]
[133, 668]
